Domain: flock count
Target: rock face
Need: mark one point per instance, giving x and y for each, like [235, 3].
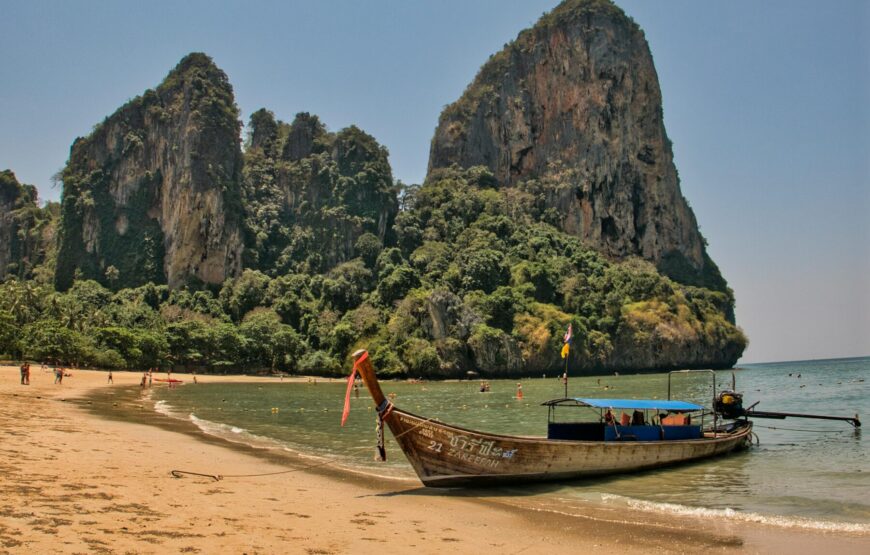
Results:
[154, 191]
[572, 112]
[12, 196]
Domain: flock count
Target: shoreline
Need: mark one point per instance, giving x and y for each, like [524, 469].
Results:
[86, 467]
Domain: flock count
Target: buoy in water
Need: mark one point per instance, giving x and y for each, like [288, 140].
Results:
[274, 410]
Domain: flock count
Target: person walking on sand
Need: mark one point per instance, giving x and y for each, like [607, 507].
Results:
[110, 377]
[23, 373]
[27, 373]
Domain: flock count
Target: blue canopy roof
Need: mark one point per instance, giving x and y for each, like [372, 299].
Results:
[632, 404]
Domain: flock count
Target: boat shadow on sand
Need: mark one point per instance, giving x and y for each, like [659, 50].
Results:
[734, 479]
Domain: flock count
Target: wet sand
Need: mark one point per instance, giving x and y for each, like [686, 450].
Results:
[85, 468]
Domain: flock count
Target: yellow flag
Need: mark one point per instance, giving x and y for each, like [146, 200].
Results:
[565, 350]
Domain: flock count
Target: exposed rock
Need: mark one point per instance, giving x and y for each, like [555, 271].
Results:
[304, 131]
[155, 189]
[664, 348]
[572, 112]
[448, 316]
[495, 353]
[12, 196]
[264, 131]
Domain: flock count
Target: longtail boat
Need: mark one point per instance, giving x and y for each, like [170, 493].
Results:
[445, 455]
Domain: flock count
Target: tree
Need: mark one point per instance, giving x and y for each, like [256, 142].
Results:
[241, 295]
[397, 283]
[368, 247]
[45, 340]
[8, 334]
[482, 270]
[112, 275]
[269, 342]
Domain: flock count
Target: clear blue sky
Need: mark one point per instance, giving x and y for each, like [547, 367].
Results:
[767, 103]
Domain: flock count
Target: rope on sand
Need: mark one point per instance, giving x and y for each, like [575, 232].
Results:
[178, 473]
[219, 477]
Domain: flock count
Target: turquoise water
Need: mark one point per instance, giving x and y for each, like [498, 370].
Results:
[804, 473]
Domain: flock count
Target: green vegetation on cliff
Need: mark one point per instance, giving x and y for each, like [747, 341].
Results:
[26, 230]
[472, 281]
[311, 196]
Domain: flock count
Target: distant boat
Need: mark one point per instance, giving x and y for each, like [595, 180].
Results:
[444, 455]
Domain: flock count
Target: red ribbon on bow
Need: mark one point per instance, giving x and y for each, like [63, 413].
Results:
[350, 380]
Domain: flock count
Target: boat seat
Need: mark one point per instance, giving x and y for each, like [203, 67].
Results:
[675, 420]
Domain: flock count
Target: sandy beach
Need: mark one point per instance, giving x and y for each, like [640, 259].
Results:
[85, 467]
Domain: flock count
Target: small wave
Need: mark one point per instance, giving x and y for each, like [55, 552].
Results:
[731, 514]
[230, 432]
[165, 409]
[242, 436]
[235, 434]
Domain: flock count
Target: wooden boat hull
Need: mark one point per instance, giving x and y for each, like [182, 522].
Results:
[444, 455]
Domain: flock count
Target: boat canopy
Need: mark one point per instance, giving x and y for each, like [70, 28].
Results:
[628, 404]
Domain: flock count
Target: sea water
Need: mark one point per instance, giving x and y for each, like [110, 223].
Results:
[803, 473]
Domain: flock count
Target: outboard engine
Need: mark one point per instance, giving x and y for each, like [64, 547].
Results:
[729, 404]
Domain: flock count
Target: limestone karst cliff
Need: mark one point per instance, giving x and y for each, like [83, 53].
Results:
[13, 196]
[551, 200]
[153, 193]
[26, 229]
[571, 111]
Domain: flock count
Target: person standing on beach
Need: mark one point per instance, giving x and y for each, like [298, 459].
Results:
[24, 374]
[110, 377]
[149, 378]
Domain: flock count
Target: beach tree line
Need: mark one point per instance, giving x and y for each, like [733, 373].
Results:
[472, 278]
